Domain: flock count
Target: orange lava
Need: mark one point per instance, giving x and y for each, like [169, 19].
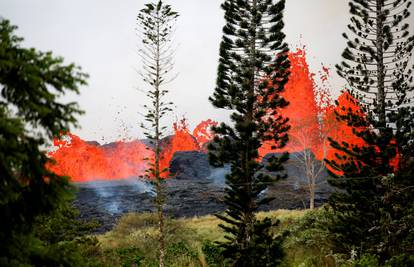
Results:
[83, 161]
[340, 131]
[203, 134]
[311, 115]
[302, 111]
[88, 161]
[182, 140]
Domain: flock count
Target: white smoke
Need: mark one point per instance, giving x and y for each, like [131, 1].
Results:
[110, 197]
[218, 175]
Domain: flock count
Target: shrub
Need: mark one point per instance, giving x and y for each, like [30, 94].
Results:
[212, 254]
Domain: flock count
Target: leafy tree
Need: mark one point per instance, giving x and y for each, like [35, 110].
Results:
[31, 83]
[156, 23]
[252, 72]
[376, 193]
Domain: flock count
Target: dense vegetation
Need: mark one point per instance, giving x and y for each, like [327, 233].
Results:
[191, 242]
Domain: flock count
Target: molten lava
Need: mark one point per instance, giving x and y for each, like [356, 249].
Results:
[311, 115]
[203, 133]
[302, 111]
[182, 140]
[340, 131]
[86, 161]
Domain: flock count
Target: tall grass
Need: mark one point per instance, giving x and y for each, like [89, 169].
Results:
[133, 241]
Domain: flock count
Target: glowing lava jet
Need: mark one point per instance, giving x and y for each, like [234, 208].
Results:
[311, 113]
[203, 133]
[303, 110]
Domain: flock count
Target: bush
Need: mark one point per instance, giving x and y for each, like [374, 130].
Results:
[129, 256]
[180, 254]
[212, 254]
[367, 260]
[308, 242]
[403, 260]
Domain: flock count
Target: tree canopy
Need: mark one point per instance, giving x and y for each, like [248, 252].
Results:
[31, 113]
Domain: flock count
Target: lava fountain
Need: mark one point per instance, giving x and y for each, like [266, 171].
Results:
[311, 114]
[86, 161]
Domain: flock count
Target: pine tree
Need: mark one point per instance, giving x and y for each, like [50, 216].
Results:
[31, 84]
[368, 207]
[252, 72]
[156, 23]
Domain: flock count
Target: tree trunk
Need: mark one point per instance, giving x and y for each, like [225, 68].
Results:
[250, 216]
[312, 198]
[161, 224]
[380, 65]
[160, 199]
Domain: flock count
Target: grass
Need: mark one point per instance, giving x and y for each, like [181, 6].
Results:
[133, 241]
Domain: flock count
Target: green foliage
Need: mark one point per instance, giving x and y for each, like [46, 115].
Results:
[253, 70]
[137, 235]
[213, 254]
[192, 240]
[373, 204]
[31, 84]
[62, 225]
[367, 260]
[129, 256]
[309, 241]
[311, 231]
[58, 239]
[405, 260]
[179, 249]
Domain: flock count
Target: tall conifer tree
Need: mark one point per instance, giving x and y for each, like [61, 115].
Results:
[156, 22]
[252, 72]
[373, 200]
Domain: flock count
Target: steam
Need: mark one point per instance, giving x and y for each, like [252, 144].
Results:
[218, 175]
[109, 197]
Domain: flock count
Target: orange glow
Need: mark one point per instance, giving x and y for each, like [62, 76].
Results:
[182, 140]
[203, 134]
[311, 115]
[84, 161]
[302, 111]
[87, 161]
[340, 131]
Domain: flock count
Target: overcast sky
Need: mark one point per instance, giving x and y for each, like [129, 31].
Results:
[99, 36]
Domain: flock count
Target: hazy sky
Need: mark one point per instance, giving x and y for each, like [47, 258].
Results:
[99, 35]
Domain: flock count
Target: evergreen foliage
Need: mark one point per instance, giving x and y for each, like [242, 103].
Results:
[375, 198]
[156, 22]
[64, 239]
[252, 72]
[31, 83]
